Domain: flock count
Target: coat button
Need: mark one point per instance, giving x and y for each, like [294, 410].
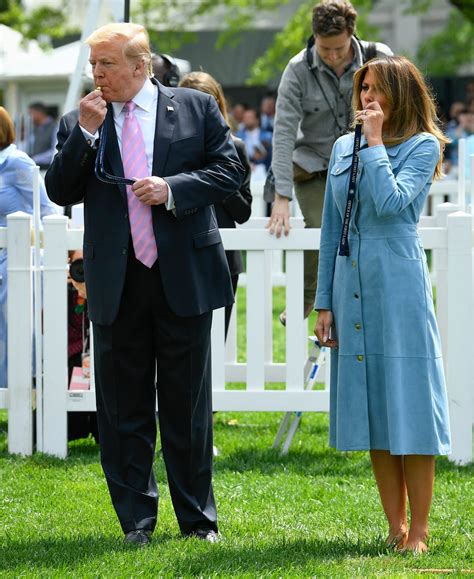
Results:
[354, 263]
[357, 326]
[124, 251]
[360, 358]
[356, 296]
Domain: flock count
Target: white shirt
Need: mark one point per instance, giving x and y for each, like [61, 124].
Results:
[145, 112]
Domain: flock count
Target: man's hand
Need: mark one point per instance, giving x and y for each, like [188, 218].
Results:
[280, 217]
[325, 330]
[151, 190]
[92, 111]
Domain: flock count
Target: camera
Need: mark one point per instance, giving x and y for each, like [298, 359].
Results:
[76, 270]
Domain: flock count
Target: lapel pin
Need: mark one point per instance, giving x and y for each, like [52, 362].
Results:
[169, 109]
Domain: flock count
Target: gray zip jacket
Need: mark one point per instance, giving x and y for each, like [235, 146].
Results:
[305, 129]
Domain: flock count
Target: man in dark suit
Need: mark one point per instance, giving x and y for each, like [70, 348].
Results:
[151, 313]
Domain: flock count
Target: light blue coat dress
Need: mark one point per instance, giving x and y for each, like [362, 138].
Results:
[387, 382]
[16, 194]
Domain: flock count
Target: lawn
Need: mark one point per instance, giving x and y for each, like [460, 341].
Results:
[314, 512]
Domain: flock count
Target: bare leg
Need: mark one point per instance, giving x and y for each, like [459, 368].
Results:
[389, 475]
[419, 477]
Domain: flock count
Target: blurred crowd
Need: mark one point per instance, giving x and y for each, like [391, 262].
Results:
[255, 128]
[460, 125]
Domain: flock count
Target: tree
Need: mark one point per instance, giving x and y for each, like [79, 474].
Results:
[41, 23]
[444, 53]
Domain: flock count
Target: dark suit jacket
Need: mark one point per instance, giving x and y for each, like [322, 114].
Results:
[195, 154]
[236, 208]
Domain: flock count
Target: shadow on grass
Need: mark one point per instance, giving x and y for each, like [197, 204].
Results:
[192, 559]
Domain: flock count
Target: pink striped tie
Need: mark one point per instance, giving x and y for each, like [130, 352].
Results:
[135, 167]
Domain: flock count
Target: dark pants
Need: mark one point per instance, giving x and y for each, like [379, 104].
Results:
[146, 340]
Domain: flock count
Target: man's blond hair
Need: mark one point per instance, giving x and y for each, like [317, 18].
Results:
[136, 45]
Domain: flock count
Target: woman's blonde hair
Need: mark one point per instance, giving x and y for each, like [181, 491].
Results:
[206, 83]
[7, 129]
[137, 42]
[411, 104]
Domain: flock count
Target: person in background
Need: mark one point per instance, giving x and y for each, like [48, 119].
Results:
[79, 424]
[42, 144]
[236, 116]
[313, 109]
[267, 113]
[461, 129]
[258, 142]
[149, 162]
[16, 194]
[374, 297]
[235, 208]
[165, 69]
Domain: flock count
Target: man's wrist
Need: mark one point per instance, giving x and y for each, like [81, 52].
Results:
[280, 198]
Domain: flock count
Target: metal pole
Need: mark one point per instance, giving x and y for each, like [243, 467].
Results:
[126, 11]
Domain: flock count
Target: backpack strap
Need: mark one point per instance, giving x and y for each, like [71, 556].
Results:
[370, 51]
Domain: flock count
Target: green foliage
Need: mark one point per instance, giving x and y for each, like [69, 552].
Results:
[293, 38]
[445, 52]
[41, 23]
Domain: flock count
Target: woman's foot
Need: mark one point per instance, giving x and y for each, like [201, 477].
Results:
[416, 543]
[397, 539]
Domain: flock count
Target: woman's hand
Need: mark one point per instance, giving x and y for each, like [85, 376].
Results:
[372, 118]
[325, 329]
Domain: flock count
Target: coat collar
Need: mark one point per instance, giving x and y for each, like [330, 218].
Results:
[349, 144]
[166, 115]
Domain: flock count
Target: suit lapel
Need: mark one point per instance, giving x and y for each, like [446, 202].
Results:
[165, 121]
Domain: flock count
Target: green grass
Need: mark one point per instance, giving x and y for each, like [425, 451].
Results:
[312, 512]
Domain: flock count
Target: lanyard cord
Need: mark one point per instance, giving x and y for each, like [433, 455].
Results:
[100, 172]
[344, 243]
[341, 129]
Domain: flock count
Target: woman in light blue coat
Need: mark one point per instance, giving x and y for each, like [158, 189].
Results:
[375, 306]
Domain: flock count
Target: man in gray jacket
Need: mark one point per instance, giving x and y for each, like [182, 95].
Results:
[313, 110]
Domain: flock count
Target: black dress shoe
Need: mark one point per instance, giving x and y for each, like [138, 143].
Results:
[205, 535]
[139, 538]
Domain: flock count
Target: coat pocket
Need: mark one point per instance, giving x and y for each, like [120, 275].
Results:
[207, 238]
[340, 167]
[407, 248]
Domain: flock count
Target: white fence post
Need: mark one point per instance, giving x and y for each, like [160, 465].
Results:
[55, 336]
[20, 334]
[440, 266]
[460, 335]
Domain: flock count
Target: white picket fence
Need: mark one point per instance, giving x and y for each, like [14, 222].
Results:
[449, 234]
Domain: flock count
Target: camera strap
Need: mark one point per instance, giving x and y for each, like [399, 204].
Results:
[309, 62]
[344, 242]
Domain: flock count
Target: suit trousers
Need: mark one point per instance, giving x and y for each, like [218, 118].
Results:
[148, 351]
[310, 196]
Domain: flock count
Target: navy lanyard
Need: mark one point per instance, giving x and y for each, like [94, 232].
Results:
[344, 243]
[100, 172]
